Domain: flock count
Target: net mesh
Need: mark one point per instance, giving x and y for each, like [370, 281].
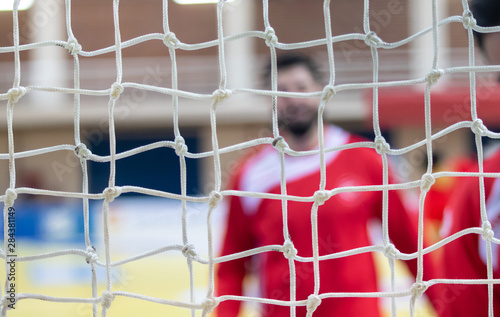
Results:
[113, 92]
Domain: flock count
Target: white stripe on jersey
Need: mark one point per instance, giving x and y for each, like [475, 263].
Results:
[263, 171]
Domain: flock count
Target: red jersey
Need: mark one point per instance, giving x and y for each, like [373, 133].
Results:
[465, 257]
[342, 225]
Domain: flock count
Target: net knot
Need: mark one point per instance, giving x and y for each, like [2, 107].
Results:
[72, 46]
[391, 252]
[91, 257]
[488, 233]
[313, 301]
[180, 146]
[271, 38]
[214, 199]
[209, 304]
[170, 40]
[188, 251]
[7, 300]
[280, 144]
[468, 20]
[418, 288]
[289, 250]
[82, 151]
[372, 40]
[220, 95]
[426, 182]
[381, 145]
[434, 76]
[106, 298]
[328, 93]
[321, 196]
[10, 197]
[111, 193]
[14, 94]
[479, 128]
[116, 90]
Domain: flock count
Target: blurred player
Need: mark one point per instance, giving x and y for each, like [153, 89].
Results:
[466, 257]
[342, 220]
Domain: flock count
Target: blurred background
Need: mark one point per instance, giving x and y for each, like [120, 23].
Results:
[139, 223]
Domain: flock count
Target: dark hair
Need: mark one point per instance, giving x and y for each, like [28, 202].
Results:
[486, 13]
[294, 59]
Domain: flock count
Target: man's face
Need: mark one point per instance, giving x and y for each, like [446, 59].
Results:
[492, 47]
[297, 115]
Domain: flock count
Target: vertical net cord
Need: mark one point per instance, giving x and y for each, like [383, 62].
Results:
[11, 101]
[271, 41]
[286, 234]
[424, 188]
[179, 140]
[385, 175]
[480, 158]
[314, 227]
[115, 91]
[321, 147]
[83, 160]
[274, 113]
[274, 71]
[8, 203]
[215, 148]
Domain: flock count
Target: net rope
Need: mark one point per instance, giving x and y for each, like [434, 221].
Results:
[220, 95]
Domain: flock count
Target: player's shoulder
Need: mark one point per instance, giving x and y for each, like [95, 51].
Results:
[361, 147]
[247, 161]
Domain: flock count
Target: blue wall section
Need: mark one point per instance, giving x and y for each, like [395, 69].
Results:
[49, 221]
[155, 169]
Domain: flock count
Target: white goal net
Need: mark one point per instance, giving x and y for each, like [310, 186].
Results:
[195, 236]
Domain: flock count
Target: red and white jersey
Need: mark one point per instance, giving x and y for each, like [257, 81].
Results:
[466, 257]
[342, 225]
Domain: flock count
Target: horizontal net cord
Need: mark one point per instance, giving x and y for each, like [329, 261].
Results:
[323, 296]
[436, 136]
[464, 281]
[102, 196]
[133, 42]
[141, 149]
[86, 254]
[258, 250]
[203, 305]
[48, 255]
[36, 152]
[270, 93]
[160, 300]
[206, 97]
[241, 146]
[206, 199]
[255, 34]
[326, 192]
[27, 296]
[461, 233]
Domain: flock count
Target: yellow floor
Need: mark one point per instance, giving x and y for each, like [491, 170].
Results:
[162, 276]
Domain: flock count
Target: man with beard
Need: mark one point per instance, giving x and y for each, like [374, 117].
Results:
[342, 219]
